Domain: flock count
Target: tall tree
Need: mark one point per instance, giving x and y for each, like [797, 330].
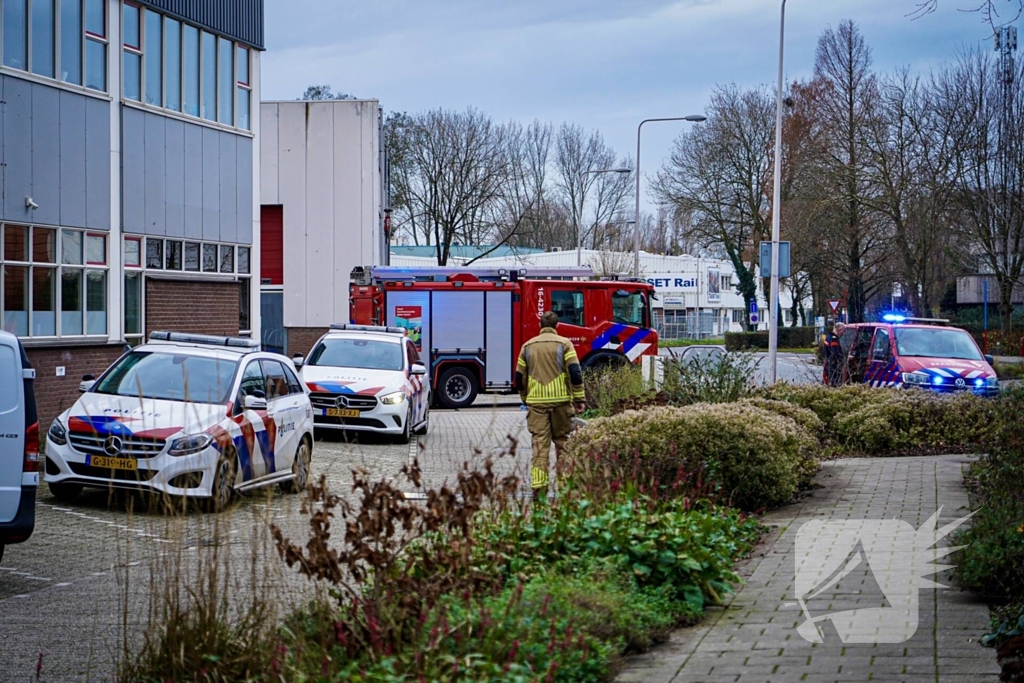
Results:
[323, 92]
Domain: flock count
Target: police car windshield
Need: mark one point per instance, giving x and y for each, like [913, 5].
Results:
[936, 342]
[365, 354]
[170, 377]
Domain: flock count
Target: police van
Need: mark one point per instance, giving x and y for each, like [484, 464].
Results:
[923, 353]
[19, 443]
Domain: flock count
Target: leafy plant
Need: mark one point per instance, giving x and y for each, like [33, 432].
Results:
[709, 379]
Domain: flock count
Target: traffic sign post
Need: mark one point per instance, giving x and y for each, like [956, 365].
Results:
[834, 305]
[754, 317]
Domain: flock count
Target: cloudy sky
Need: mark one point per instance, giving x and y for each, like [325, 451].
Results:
[604, 64]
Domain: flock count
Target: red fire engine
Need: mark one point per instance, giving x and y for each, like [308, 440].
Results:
[469, 323]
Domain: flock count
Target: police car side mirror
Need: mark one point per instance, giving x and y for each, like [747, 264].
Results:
[989, 359]
[418, 369]
[298, 360]
[253, 402]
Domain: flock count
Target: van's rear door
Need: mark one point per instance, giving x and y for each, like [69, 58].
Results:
[12, 427]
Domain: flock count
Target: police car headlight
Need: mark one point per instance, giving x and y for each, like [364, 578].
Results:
[992, 382]
[393, 399]
[916, 378]
[57, 433]
[187, 445]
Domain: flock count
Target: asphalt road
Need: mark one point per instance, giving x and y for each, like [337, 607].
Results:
[794, 368]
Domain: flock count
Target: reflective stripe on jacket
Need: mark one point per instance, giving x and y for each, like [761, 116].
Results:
[549, 371]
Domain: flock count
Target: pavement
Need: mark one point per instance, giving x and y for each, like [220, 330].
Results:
[755, 637]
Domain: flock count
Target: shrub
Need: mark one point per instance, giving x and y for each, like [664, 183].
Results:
[709, 379]
[611, 387]
[789, 338]
[751, 457]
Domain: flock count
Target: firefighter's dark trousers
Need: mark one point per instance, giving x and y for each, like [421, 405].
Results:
[547, 424]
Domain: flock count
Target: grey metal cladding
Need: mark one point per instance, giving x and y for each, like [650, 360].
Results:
[245, 198]
[72, 160]
[238, 19]
[133, 176]
[97, 163]
[463, 316]
[499, 340]
[46, 155]
[182, 179]
[17, 148]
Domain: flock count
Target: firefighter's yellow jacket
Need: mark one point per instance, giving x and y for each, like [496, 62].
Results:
[548, 371]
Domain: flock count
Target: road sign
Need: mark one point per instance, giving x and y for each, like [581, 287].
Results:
[766, 259]
[754, 319]
[753, 305]
[834, 305]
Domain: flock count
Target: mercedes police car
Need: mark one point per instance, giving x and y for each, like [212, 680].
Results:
[185, 415]
[921, 353]
[367, 378]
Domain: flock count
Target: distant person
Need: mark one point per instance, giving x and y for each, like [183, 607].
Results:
[833, 356]
[550, 382]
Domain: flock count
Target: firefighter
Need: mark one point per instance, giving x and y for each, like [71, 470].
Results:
[834, 356]
[550, 384]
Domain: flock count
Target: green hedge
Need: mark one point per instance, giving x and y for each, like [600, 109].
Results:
[789, 338]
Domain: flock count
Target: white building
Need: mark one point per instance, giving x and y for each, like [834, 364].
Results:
[688, 288]
[323, 193]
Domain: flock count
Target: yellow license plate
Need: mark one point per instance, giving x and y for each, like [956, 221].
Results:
[342, 412]
[106, 463]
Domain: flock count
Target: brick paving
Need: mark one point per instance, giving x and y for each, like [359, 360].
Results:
[755, 639]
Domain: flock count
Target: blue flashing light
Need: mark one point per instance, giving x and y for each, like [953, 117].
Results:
[937, 381]
[979, 382]
[893, 318]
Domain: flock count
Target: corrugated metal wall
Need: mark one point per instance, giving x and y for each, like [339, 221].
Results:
[238, 19]
[185, 180]
[55, 148]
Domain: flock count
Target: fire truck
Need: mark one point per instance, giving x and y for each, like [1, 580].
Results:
[468, 324]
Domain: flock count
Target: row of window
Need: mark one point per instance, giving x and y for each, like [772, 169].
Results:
[52, 282]
[62, 39]
[179, 67]
[187, 256]
[167, 63]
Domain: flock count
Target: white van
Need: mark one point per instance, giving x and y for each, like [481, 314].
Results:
[19, 443]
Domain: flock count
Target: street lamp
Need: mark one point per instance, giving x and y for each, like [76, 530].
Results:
[579, 234]
[693, 118]
[773, 299]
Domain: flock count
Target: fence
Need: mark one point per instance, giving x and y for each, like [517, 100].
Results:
[686, 326]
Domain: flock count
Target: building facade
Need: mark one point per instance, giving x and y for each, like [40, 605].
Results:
[128, 133]
[323, 192]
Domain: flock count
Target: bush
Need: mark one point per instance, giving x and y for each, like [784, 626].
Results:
[611, 387]
[740, 453]
[789, 338]
[709, 379]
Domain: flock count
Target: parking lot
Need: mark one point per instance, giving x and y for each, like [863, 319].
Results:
[63, 593]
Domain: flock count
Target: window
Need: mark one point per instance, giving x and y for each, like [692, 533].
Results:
[936, 342]
[170, 376]
[568, 306]
[154, 59]
[294, 385]
[880, 350]
[154, 253]
[227, 259]
[244, 303]
[173, 255]
[628, 308]
[96, 44]
[277, 382]
[243, 260]
[54, 271]
[43, 25]
[366, 354]
[192, 256]
[252, 384]
[226, 79]
[71, 42]
[15, 33]
[132, 53]
[209, 80]
[132, 252]
[132, 303]
[244, 88]
[191, 70]
[209, 258]
[172, 63]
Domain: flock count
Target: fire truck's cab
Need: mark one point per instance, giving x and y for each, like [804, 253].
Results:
[469, 324]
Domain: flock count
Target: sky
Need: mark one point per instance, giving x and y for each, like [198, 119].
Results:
[604, 64]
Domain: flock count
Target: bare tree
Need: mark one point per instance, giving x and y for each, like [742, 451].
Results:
[717, 175]
[989, 10]
[323, 92]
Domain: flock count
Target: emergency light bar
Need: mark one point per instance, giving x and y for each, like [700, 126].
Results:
[365, 275]
[896, 318]
[349, 327]
[205, 340]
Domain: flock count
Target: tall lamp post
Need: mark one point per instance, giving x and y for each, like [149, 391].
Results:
[579, 233]
[773, 302]
[693, 118]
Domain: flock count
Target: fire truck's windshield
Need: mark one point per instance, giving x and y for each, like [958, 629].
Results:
[628, 308]
[936, 342]
[366, 354]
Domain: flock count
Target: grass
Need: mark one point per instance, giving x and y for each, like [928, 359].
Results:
[674, 343]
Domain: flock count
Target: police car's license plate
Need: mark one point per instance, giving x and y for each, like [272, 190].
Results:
[106, 463]
[341, 412]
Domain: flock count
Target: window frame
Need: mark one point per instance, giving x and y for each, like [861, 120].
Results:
[582, 309]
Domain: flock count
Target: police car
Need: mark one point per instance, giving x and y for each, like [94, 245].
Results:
[367, 378]
[185, 415]
[923, 353]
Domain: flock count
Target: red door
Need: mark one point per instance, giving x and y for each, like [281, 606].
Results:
[272, 245]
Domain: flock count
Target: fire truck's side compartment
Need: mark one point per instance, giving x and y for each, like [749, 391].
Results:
[499, 341]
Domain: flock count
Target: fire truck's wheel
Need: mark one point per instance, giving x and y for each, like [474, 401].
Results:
[458, 388]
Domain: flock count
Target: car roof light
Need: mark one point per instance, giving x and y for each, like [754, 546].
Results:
[205, 340]
[348, 327]
[893, 318]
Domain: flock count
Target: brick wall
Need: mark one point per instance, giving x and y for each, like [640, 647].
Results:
[55, 394]
[191, 306]
[302, 339]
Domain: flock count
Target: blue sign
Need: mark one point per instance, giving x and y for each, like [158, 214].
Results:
[753, 306]
[754, 318]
